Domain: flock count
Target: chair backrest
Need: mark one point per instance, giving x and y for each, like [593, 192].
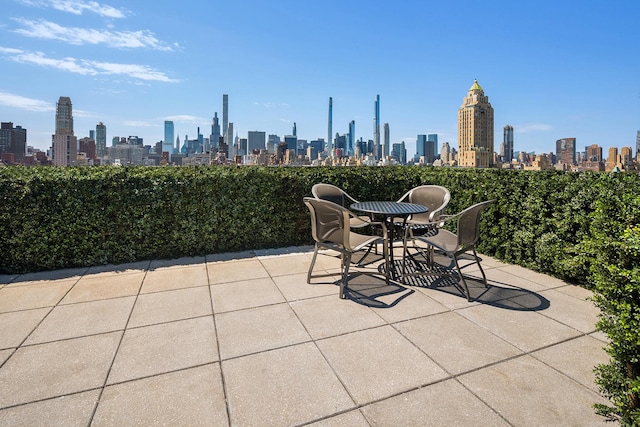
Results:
[328, 192]
[434, 197]
[328, 221]
[469, 224]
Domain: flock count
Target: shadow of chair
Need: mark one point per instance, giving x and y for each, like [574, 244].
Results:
[453, 245]
[330, 228]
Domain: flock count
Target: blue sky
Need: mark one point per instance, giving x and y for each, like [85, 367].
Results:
[551, 69]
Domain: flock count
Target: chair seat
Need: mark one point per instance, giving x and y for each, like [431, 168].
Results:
[359, 241]
[444, 240]
[359, 221]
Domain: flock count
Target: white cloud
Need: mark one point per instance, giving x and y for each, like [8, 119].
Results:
[87, 67]
[48, 30]
[24, 103]
[141, 72]
[532, 127]
[78, 7]
[186, 118]
[272, 104]
[83, 113]
[9, 51]
[138, 124]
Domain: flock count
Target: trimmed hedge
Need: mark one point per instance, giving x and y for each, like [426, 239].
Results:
[53, 218]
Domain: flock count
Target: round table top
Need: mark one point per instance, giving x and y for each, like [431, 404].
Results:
[389, 208]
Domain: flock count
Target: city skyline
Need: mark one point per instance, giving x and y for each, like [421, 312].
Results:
[551, 70]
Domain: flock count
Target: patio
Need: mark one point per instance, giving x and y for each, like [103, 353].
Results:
[241, 339]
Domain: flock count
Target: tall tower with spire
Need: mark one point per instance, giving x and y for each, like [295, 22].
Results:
[475, 129]
[214, 138]
[329, 135]
[376, 129]
[225, 117]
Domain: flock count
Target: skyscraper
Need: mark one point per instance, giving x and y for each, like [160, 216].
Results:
[433, 137]
[256, 140]
[13, 141]
[64, 145]
[475, 129]
[431, 147]
[101, 139]
[295, 130]
[386, 138]
[341, 145]
[421, 146]
[214, 138]
[273, 141]
[228, 139]
[399, 152]
[638, 146]
[566, 151]
[593, 153]
[507, 141]
[167, 142]
[352, 138]
[330, 123]
[64, 116]
[225, 117]
[376, 128]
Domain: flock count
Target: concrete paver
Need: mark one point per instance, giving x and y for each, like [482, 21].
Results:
[166, 347]
[172, 305]
[16, 326]
[377, 363]
[242, 339]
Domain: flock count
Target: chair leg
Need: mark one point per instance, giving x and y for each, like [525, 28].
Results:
[404, 253]
[313, 262]
[345, 275]
[464, 282]
[385, 253]
[484, 277]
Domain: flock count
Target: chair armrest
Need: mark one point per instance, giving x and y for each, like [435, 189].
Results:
[446, 218]
[404, 197]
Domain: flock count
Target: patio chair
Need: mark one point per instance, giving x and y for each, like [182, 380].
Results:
[330, 229]
[436, 199]
[455, 244]
[340, 197]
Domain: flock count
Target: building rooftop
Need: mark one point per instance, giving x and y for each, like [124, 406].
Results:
[475, 86]
[242, 339]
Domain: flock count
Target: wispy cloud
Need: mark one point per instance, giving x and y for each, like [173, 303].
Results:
[139, 124]
[272, 104]
[78, 7]
[16, 101]
[532, 127]
[9, 50]
[87, 67]
[48, 30]
[186, 118]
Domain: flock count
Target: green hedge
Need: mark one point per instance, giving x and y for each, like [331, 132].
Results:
[53, 218]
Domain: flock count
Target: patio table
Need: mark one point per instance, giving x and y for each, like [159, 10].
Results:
[390, 210]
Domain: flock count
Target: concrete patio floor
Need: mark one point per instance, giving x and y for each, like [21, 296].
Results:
[241, 339]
